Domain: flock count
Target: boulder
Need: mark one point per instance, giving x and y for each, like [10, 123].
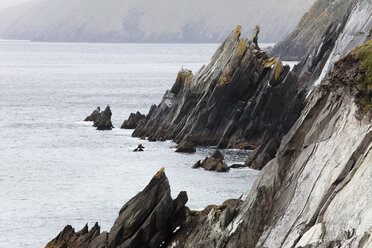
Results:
[213, 163]
[104, 120]
[94, 115]
[133, 120]
[186, 147]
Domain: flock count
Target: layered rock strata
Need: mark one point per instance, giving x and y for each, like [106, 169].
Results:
[242, 99]
[133, 120]
[316, 191]
[310, 29]
[147, 220]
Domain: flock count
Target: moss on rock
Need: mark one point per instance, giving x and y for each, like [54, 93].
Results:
[364, 53]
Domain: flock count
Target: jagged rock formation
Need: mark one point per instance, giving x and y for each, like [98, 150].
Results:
[104, 120]
[94, 115]
[186, 147]
[242, 99]
[310, 29]
[147, 220]
[68, 238]
[133, 120]
[316, 191]
[213, 163]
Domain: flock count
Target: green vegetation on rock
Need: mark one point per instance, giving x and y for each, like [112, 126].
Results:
[364, 53]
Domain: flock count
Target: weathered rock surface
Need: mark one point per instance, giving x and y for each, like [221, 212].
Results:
[310, 29]
[147, 220]
[68, 238]
[316, 191]
[94, 115]
[242, 99]
[186, 147]
[104, 120]
[133, 120]
[213, 163]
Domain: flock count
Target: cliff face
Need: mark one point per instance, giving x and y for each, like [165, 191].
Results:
[310, 29]
[242, 99]
[316, 190]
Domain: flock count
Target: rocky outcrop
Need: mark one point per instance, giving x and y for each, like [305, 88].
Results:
[133, 120]
[315, 192]
[94, 115]
[242, 99]
[71, 239]
[213, 163]
[140, 148]
[104, 120]
[186, 147]
[147, 220]
[310, 29]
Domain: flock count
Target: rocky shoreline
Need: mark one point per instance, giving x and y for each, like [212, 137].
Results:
[311, 132]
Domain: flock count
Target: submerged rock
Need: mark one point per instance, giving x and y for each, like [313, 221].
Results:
[186, 147]
[213, 163]
[147, 220]
[104, 120]
[237, 166]
[133, 120]
[94, 115]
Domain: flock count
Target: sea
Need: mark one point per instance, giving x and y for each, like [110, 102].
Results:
[56, 169]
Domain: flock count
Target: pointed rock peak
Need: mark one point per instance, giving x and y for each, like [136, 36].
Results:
[160, 173]
[254, 35]
[237, 31]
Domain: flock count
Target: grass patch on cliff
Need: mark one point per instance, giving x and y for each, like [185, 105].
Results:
[364, 53]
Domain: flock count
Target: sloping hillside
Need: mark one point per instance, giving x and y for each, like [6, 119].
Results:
[149, 21]
[311, 27]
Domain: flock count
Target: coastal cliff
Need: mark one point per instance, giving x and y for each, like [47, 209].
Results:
[313, 190]
[242, 99]
[310, 29]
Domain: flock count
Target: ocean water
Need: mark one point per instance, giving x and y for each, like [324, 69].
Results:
[56, 169]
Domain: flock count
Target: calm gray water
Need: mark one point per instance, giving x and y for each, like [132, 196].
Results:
[57, 170]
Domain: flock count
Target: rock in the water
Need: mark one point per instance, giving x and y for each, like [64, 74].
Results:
[197, 165]
[213, 163]
[104, 120]
[140, 148]
[238, 166]
[133, 120]
[186, 147]
[147, 220]
[94, 115]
